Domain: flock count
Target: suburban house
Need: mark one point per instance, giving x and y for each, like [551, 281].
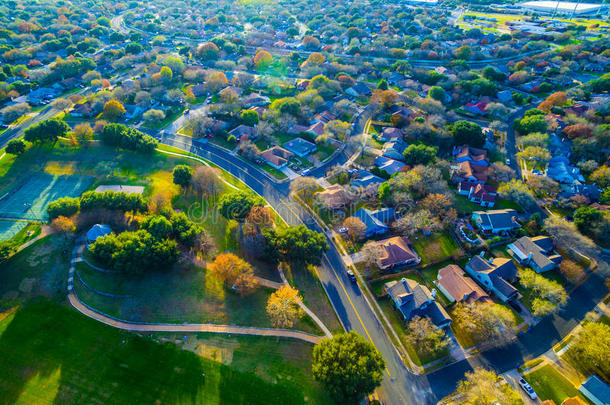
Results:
[475, 108]
[83, 110]
[458, 288]
[390, 166]
[394, 148]
[478, 193]
[560, 170]
[375, 221]
[535, 252]
[496, 221]
[365, 179]
[396, 252]
[596, 390]
[97, 231]
[359, 90]
[412, 299]
[469, 172]
[335, 197]
[496, 275]
[276, 156]
[390, 133]
[465, 153]
[243, 132]
[254, 100]
[300, 147]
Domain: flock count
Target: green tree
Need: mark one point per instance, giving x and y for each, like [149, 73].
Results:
[158, 226]
[437, 93]
[166, 75]
[237, 204]
[548, 295]
[519, 192]
[532, 123]
[182, 175]
[348, 366]
[249, 117]
[295, 244]
[469, 133]
[15, 147]
[65, 206]
[420, 154]
[590, 349]
[46, 131]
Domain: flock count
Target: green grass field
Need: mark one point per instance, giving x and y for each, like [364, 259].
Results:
[550, 384]
[435, 248]
[52, 354]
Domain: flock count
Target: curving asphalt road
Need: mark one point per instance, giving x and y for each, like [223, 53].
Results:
[400, 386]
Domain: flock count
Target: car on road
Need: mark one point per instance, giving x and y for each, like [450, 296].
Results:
[527, 388]
[343, 230]
[351, 276]
[508, 162]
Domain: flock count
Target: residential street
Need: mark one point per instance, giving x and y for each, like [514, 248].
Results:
[400, 385]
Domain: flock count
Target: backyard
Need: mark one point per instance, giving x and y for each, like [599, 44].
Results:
[435, 248]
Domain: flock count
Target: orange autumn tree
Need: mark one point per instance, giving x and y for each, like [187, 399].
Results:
[234, 272]
[556, 99]
[262, 60]
[283, 307]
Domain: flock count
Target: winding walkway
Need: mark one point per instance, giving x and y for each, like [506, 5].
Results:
[169, 327]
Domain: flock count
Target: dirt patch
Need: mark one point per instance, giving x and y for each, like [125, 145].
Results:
[26, 285]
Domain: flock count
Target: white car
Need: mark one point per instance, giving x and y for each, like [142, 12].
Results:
[508, 162]
[527, 388]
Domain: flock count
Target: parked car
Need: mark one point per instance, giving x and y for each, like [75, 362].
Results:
[343, 230]
[527, 388]
[351, 276]
[508, 162]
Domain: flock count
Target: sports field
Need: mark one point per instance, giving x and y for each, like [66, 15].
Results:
[8, 229]
[30, 197]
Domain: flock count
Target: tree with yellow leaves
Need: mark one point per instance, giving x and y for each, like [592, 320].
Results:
[113, 110]
[262, 60]
[234, 272]
[283, 307]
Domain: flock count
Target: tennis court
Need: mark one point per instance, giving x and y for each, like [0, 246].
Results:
[8, 229]
[30, 197]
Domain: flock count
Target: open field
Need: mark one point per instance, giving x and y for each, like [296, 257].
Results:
[81, 361]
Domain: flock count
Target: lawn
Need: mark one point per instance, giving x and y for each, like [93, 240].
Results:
[183, 294]
[435, 248]
[39, 269]
[466, 207]
[52, 354]
[550, 384]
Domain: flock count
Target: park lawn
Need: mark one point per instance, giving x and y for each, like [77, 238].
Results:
[305, 279]
[548, 383]
[182, 294]
[52, 354]
[435, 248]
[40, 269]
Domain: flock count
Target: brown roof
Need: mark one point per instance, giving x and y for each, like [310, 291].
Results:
[474, 153]
[574, 401]
[395, 250]
[461, 288]
[335, 196]
[276, 155]
[478, 172]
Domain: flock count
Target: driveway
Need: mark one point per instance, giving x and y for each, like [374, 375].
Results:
[512, 377]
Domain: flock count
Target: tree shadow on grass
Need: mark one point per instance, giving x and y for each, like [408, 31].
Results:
[48, 351]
